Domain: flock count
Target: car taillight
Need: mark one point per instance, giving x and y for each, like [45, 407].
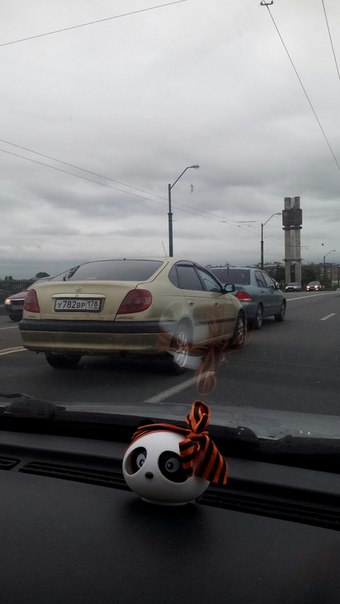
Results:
[243, 296]
[31, 303]
[136, 300]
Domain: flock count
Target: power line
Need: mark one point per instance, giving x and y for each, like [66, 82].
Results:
[187, 209]
[59, 161]
[58, 31]
[302, 86]
[231, 223]
[184, 207]
[35, 161]
[330, 38]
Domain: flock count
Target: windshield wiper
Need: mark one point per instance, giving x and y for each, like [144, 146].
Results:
[23, 406]
[98, 422]
[118, 422]
[302, 445]
[70, 273]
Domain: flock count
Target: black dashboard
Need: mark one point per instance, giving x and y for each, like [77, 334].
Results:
[72, 531]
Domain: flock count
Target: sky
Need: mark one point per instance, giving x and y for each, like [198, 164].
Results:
[106, 103]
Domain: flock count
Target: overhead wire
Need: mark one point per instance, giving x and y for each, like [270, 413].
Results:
[88, 179]
[330, 39]
[69, 164]
[64, 171]
[303, 88]
[59, 161]
[184, 207]
[35, 161]
[120, 16]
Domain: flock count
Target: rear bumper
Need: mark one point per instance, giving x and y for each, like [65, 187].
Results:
[250, 309]
[96, 337]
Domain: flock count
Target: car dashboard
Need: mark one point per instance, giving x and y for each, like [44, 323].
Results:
[72, 531]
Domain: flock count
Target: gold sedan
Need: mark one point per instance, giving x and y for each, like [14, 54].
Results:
[146, 306]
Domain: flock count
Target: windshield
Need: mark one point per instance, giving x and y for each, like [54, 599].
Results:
[115, 270]
[233, 275]
[151, 154]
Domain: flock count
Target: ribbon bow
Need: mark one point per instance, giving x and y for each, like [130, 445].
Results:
[199, 454]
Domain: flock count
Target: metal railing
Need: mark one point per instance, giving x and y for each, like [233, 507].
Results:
[8, 287]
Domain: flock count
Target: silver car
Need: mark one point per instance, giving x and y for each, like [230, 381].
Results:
[293, 287]
[259, 294]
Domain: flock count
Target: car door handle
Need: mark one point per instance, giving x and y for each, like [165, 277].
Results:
[191, 302]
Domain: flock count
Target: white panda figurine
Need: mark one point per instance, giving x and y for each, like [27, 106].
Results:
[154, 468]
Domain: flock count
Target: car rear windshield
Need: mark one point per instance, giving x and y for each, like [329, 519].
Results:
[239, 276]
[114, 270]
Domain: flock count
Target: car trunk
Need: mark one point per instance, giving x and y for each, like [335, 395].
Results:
[82, 300]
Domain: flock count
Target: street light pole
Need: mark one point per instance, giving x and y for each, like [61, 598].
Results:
[170, 187]
[171, 237]
[262, 225]
[324, 264]
[262, 242]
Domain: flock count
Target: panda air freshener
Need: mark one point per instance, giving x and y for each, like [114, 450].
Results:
[171, 465]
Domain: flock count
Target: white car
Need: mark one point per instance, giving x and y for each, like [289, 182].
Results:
[293, 287]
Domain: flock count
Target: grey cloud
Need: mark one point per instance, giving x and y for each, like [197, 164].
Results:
[140, 99]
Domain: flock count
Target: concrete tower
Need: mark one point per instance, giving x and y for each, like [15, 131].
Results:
[292, 225]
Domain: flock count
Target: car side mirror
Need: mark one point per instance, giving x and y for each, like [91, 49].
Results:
[229, 288]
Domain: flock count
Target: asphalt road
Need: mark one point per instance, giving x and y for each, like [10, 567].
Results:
[292, 365]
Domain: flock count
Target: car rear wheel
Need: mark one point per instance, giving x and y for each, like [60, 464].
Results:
[63, 361]
[258, 321]
[280, 316]
[240, 332]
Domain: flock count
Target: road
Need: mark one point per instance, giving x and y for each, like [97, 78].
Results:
[292, 365]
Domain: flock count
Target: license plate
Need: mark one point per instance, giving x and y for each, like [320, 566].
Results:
[77, 305]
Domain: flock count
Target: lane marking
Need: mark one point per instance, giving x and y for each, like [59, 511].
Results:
[6, 351]
[174, 390]
[10, 327]
[328, 316]
[316, 295]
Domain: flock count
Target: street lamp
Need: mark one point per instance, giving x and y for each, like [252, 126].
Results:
[324, 263]
[262, 225]
[171, 237]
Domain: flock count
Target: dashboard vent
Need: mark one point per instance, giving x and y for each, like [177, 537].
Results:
[66, 472]
[286, 504]
[321, 511]
[7, 463]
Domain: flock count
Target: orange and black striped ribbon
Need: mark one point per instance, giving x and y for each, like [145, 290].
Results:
[199, 454]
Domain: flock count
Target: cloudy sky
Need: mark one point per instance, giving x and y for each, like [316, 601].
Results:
[99, 116]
